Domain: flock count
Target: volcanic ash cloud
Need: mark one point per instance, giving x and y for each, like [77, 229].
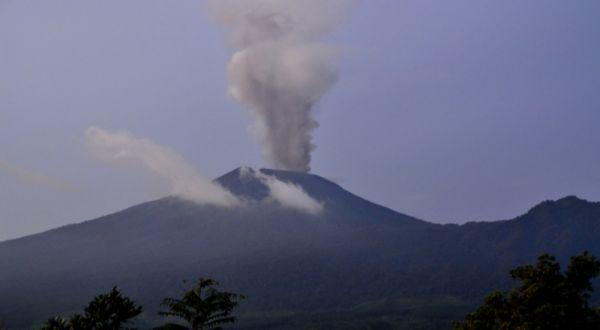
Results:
[281, 69]
[163, 162]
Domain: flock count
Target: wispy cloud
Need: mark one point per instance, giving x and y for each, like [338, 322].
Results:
[289, 194]
[123, 148]
[293, 196]
[34, 177]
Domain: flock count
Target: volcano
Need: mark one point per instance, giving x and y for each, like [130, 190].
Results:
[355, 263]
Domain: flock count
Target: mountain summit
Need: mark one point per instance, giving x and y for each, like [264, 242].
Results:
[244, 183]
[249, 184]
[354, 261]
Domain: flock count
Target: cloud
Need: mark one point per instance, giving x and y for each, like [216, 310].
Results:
[293, 196]
[289, 195]
[34, 177]
[123, 148]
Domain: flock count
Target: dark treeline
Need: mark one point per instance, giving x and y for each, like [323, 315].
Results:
[545, 298]
[201, 307]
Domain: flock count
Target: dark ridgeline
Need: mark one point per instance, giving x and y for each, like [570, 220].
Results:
[358, 263]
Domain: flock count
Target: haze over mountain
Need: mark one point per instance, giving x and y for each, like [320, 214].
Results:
[353, 262]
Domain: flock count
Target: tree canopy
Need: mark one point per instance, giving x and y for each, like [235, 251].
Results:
[109, 311]
[545, 299]
[202, 307]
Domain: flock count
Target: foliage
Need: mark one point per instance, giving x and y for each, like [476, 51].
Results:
[109, 311]
[56, 323]
[546, 298]
[202, 307]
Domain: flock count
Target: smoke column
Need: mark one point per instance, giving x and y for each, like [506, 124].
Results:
[281, 69]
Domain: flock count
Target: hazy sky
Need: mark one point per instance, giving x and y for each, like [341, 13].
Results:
[450, 111]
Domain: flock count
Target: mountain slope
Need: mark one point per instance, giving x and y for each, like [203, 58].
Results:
[351, 259]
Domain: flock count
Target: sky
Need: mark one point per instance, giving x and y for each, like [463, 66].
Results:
[447, 111]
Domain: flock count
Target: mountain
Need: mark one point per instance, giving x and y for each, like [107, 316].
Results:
[355, 264]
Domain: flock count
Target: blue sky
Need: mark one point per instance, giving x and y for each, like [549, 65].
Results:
[448, 111]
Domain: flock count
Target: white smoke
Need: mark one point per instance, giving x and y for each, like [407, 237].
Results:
[292, 196]
[281, 68]
[286, 194]
[185, 181]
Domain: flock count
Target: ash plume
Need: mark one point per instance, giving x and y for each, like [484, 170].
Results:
[281, 68]
[185, 181]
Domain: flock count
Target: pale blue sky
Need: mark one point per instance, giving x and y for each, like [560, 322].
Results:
[449, 111]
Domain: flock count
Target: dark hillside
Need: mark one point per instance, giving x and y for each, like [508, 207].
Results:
[356, 261]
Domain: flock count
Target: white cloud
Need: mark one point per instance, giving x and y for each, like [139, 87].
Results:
[123, 148]
[290, 195]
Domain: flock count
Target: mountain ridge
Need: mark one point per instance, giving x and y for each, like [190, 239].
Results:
[226, 181]
[284, 260]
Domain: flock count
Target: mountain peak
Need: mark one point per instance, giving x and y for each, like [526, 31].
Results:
[249, 183]
[244, 183]
[565, 202]
[571, 200]
[571, 204]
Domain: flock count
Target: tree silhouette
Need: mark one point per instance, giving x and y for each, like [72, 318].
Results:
[546, 298]
[109, 311]
[202, 307]
[56, 323]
